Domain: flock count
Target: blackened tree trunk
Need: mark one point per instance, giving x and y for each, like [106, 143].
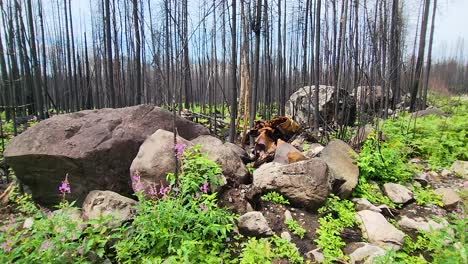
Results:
[317, 65]
[429, 55]
[110, 64]
[232, 128]
[37, 71]
[137, 52]
[419, 61]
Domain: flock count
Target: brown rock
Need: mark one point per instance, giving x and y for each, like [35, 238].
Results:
[103, 203]
[450, 198]
[155, 159]
[340, 160]
[304, 183]
[95, 148]
[233, 168]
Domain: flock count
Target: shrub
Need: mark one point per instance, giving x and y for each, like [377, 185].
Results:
[275, 197]
[295, 228]
[337, 215]
[185, 225]
[265, 250]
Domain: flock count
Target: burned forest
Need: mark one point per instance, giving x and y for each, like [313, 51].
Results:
[233, 131]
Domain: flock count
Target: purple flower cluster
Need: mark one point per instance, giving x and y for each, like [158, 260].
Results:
[6, 246]
[179, 150]
[45, 245]
[65, 186]
[136, 183]
[204, 188]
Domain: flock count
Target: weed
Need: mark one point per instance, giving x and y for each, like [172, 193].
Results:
[275, 198]
[337, 215]
[295, 228]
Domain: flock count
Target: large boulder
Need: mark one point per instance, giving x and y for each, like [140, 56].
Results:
[155, 159]
[233, 168]
[378, 231]
[340, 160]
[300, 105]
[106, 203]
[94, 147]
[304, 183]
[369, 98]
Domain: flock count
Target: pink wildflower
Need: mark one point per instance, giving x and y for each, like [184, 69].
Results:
[179, 150]
[45, 245]
[65, 186]
[6, 246]
[136, 183]
[204, 188]
[80, 250]
[203, 208]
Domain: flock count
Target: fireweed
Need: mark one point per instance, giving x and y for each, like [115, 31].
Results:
[190, 227]
[54, 237]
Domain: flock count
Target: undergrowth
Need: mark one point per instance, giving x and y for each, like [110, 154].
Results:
[275, 197]
[336, 215]
[267, 250]
[295, 228]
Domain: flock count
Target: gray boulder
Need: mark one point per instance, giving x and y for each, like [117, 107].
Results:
[300, 105]
[450, 198]
[364, 252]
[419, 224]
[313, 151]
[377, 230]
[397, 193]
[233, 168]
[460, 168]
[155, 159]
[369, 98]
[304, 183]
[429, 111]
[94, 147]
[254, 224]
[103, 203]
[340, 160]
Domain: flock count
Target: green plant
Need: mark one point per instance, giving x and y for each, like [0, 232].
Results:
[384, 160]
[371, 192]
[265, 250]
[295, 228]
[54, 237]
[275, 198]
[336, 215]
[445, 245]
[185, 225]
[426, 196]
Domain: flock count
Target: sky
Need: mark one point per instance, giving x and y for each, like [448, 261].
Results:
[451, 23]
[451, 27]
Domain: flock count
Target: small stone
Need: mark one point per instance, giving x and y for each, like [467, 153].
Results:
[316, 255]
[364, 204]
[433, 176]
[419, 224]
[28, 223]
[460, 168]
[450, 198]
[286, 236]
[445, 173]
[377, 230]
[365, 252]
[255, 224]
[287, 215]
[397, 193]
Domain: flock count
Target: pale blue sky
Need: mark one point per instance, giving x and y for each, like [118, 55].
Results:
[451, 23]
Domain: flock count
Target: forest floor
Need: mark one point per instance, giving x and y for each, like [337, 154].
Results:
[424, 159]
